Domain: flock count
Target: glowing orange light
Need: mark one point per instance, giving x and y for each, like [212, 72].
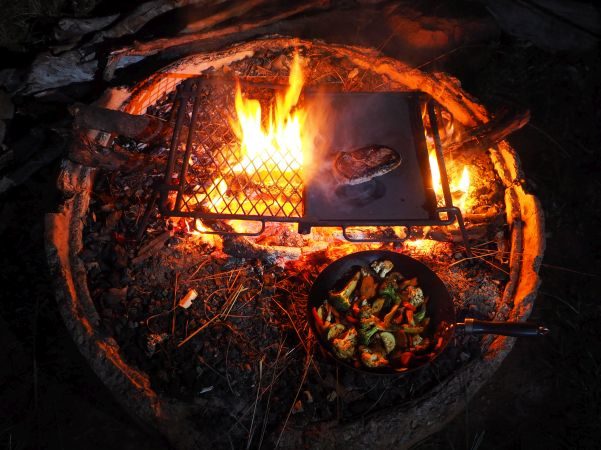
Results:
[459, 185]
[278, 145]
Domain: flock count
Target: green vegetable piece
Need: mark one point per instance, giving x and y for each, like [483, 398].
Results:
[341, 300]
[335, 330]
[365, 334]
[419, 315]
[390, 287]
[388, 340]
[344, 346]
[377, 305]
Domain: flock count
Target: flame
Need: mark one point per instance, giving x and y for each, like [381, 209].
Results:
[278, 145]
[263, 174]
[459, 185]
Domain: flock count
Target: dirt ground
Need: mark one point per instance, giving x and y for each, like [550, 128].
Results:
[547, 394]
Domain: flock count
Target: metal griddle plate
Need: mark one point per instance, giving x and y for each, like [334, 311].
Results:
[355, 120]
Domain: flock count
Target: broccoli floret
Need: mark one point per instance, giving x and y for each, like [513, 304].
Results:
[341, 300]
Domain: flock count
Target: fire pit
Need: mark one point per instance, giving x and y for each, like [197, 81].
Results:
[204, 337]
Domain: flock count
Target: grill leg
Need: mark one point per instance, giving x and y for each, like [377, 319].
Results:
[464, 236]
[146, 217]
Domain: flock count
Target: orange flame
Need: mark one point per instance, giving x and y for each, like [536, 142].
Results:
[459, 185]
[278, 144]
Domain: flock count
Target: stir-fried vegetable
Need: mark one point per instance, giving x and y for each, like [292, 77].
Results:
[341, 300]
[377, 318]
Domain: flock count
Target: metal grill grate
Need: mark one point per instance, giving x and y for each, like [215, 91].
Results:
[209, 175]
[212, 175]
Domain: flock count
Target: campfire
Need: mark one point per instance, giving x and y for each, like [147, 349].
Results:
[244, 182]
[292, 156]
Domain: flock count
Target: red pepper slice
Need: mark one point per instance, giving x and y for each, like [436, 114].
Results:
[318, 321]
[409, 314]
[351, 319]
[409, 306]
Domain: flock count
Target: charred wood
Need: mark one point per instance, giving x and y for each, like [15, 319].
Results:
[485, 136]
[91, 155]
[152, 247]
[143, 128]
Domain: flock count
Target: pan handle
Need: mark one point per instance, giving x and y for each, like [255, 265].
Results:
[517, 329]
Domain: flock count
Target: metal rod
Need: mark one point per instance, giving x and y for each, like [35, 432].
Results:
[147, 212]
[444, 179]
[181, 113]
[189, 142]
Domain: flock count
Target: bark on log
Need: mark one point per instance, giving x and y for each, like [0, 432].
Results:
[143, 128]
[139, 17]
[101, 158]
[235, 11]
[155, 46]
[70, 28]
[485, 136]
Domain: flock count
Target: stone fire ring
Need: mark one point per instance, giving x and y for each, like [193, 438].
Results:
[179, 421]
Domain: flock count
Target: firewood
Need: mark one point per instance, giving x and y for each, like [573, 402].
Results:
[238, 9]
[485, 136]
[110, 159]
[143, 128]
[74, 28]
[139, 17]
[444, 234]
[239, 31]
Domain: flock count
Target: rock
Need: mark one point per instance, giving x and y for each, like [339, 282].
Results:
[7, 109]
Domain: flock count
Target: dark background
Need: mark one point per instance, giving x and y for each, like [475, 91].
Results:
[547, 393]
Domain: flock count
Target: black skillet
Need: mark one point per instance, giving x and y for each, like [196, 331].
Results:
[439, 307]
